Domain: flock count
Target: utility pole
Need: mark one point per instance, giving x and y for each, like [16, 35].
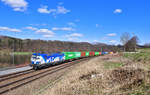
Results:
[14, 51]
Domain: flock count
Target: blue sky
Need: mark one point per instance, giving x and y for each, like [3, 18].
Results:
[75, 20]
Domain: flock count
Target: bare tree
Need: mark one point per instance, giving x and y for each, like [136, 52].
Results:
[132, 44]
[134, 41]
[125, 37]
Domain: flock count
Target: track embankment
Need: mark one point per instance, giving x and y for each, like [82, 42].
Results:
[13, 81]
[104, 75]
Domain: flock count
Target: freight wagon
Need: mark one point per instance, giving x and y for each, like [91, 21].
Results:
[41, 60]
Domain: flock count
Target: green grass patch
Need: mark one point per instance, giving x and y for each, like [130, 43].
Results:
[142, 56]
[144, 50]
[112, 65]
[144, 89]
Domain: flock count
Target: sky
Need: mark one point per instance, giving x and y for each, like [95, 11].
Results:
[91, 21]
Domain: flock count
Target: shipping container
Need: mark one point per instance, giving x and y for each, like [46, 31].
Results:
[77, 54]
[92, 53]
[104, 53]
[96, 53]
[69, 55]
[110, 52]
[100, 53]
[83, 54]
[86, 53]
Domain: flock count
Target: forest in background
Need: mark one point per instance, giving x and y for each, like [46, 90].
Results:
[10, 44]
[18, 51]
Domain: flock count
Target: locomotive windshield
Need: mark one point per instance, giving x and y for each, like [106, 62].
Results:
[35, 57]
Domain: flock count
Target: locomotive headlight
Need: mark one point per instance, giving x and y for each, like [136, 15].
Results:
[64, 58]
[41, 61]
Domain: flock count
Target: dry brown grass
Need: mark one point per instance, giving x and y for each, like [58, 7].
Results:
[34, 87]
[93, 79]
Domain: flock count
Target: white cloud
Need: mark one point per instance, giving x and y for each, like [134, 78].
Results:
[55, 28]
[67, 29]
[62, 10]
[31, 28]
[113, 41]
[46, 32]
[38, 24]
[60, 3]
[71, 24]
[111, 34]
[104, 38]
[44, 9]
[48, 36]
[74, 35]
[58, 10]
[95, 41]
[43, 24]
[97, 25]
[17, 5]
[118, 11]
[63, 29]
[9, 29]
[73, 39]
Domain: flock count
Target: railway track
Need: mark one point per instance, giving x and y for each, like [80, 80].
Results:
[12, 75]
[15, 80]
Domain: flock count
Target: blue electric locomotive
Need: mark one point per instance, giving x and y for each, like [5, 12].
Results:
[40, 60]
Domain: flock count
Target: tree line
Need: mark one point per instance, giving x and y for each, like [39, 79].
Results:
[11, 44]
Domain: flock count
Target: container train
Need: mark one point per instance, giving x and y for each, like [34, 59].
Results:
[39, 60]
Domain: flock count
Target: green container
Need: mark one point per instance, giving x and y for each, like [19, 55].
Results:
[69, 55]
[86, 53]
[77, 54]
[96, 53]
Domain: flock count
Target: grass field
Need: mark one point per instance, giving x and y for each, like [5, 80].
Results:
[127, 74]
[144, 50]
[112, 65]
[105, 75]
[143, 55]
